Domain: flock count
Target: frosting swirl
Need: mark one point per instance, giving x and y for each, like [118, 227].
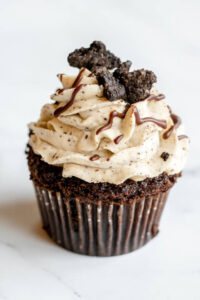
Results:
[102, 141]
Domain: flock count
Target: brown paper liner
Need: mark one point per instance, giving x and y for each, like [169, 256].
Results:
[100, 229]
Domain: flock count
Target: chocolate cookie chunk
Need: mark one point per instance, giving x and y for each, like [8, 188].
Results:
[95, 55]
[137, 83]
[122, 69]
[112, 88]
[122, 84]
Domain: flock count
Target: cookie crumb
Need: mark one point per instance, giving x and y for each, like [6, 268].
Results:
[137, 83]
[112, 88]
[165, 156]
[95, 56]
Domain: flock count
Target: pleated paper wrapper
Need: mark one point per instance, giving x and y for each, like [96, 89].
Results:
[99, 229]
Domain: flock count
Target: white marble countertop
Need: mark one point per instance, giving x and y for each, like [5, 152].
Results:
[35, 39]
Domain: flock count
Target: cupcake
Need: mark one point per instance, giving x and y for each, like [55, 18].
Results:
[104, 155]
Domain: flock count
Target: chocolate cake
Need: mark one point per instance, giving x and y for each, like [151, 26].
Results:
[127, 192]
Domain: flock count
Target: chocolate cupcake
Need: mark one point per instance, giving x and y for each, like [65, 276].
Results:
[104, 155]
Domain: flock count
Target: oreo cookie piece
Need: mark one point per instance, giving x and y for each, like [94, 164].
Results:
[122, 84]
[137, 83]
[95, 56]
[122, 69]
[113, 89]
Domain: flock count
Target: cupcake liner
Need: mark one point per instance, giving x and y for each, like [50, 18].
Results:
[99, 229]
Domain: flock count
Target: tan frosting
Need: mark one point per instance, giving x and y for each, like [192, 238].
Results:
[70, 140]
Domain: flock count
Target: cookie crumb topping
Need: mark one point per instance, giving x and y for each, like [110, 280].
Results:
[131, 86]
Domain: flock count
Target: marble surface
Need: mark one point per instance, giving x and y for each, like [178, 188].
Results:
[35, 39]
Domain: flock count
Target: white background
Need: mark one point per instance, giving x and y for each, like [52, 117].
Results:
[35, 38]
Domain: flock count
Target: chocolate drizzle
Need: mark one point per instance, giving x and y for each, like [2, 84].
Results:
[94, 157]
[78, 78]
[177, 121]
[170, 110]
[183, 136]
[139, 121]
[60, 91]
[118, 139]
[113, 115]
[155, 97]
[60, 76]
[61, 109]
